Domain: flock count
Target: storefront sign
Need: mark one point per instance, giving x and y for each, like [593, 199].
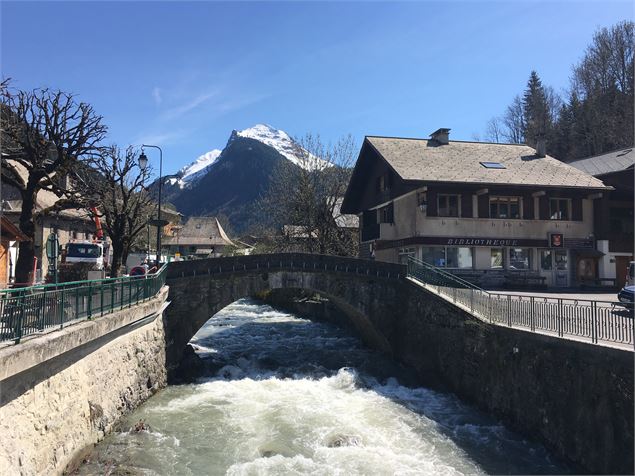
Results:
[462, 241]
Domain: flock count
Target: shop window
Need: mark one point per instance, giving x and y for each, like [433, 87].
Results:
[442, 257]
[448, 205]
[504, 207]
[560, 258]
[459, 258]
[519, 258]
[497, 259]
[546, 260]
[559, 209]
[434, 256]
[386, 214]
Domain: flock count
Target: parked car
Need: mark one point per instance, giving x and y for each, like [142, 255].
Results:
[138, 271]
[626, 297]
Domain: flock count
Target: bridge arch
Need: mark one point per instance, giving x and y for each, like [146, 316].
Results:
[364, 291]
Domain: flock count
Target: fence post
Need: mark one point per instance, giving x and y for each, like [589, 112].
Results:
[509, 310]
[90, 299]
[594, 317]
[532, 310]
[101, 297]
[560, 317]
[62, 309]
[472, 299]
[18, 329]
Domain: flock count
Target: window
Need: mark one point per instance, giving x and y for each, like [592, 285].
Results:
[519, 258]
[559, 209]
[492, 165]
[497, 259]
[383, 183]
[448, 205]
[546, 259]
[434, 256]
[443, 257]
[504, 207]
[459, 258]
[386, 214]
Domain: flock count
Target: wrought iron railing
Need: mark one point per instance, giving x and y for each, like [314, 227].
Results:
[31, 310]
[595, 321]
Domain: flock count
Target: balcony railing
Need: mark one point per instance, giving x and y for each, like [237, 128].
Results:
[32, 310]
[371, 232]
[592, 321]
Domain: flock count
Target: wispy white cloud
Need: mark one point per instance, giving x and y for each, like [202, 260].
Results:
[188, 106]
[156, 95]
[238, 102]
[160, 138]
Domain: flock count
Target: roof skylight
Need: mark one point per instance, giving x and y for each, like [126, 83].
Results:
[492, 165]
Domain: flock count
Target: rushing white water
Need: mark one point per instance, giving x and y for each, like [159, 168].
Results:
[290, 396]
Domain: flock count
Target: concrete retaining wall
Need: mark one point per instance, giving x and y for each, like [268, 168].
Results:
[64, 391]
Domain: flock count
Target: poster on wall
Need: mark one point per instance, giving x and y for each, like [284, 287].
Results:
[556, 240]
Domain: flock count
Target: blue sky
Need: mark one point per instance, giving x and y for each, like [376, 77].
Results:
[183, 75]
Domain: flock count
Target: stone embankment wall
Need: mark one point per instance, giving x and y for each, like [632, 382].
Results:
[81, 381]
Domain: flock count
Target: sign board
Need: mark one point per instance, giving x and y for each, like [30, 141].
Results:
[556, 240]
[52, 247]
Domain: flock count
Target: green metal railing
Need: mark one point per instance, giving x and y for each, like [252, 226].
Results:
[31, 310]
[594, 321]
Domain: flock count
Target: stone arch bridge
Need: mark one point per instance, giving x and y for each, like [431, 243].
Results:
[365, 291]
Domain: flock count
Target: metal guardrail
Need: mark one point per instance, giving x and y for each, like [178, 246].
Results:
[31, 310]
[595, 321]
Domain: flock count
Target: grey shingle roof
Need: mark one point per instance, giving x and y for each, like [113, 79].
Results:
[200, 231]
[615, 161]
[426, 160]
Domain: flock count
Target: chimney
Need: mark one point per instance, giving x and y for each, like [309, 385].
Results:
[441, 136]
[541, 146]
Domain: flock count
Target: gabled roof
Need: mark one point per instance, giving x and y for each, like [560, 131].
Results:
[200, 231]
[10, 231]
[616, 161]
[44, 199]
[428, 161]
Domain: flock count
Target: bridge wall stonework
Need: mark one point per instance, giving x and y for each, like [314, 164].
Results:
[575, 397]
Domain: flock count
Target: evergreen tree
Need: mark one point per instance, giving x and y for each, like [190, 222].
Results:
[535, 110]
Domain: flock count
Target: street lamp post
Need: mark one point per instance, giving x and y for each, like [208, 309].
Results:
[143, 163]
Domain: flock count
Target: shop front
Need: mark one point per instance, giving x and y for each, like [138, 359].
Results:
[498, 262]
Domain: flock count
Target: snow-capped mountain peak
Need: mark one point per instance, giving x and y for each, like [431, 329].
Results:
[283, 144]
[191, 171]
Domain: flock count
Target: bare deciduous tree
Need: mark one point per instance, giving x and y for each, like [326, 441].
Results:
[304, 200]
[494, 130]
[514, 122]
[117, 184]
[44, 134]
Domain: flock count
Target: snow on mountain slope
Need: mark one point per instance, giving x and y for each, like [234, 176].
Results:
[194, 171]
[282, 143]
[199, 167]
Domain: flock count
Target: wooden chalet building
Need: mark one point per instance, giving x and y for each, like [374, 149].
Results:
[498, 214]
[613, 219]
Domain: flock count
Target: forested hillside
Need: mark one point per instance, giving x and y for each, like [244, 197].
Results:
[595, 114]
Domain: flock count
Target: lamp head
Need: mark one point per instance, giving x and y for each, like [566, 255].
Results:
[143, 160]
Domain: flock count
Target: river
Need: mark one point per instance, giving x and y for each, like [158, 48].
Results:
[286, 395]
